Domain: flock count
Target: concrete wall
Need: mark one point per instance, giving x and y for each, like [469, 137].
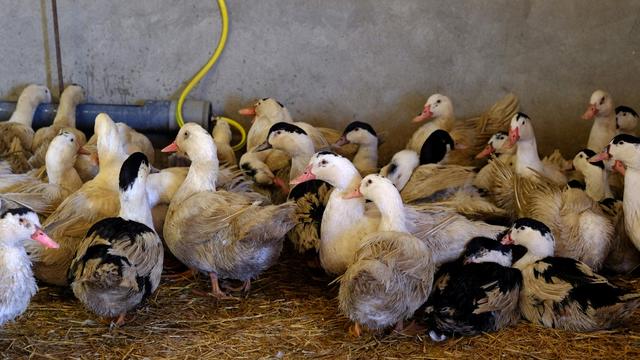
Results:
[332, 61]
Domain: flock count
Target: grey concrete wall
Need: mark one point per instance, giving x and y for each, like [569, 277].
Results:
[332, 61]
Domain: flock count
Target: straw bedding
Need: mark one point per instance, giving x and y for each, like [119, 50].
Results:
[290, 313]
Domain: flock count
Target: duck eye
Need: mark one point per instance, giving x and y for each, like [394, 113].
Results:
[186, 134]
[369, 181]
[521, 227]
[439, 101]
[602, 100]
[323, 162]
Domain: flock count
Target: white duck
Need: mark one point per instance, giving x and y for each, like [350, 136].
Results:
[528, 162]
[498, 145]
[392, 273]
[65, 119]
[564, 293]
[438, 110]
[119, 262]
[16, 134]
[62, 178]
[223, 234]
[222, 137]
[346, 221]
[366, 139]
[626, 120]
[595, 175]
[18, 226]
[604, 125]
[625, 149]
[95, 200]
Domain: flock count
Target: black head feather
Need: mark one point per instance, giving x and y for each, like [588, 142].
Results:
[619, 139]
[626, 109]
[434, 148]
[359, 125]
[17, 211]
[533, 224]
[521, 114]
[576, 184]
[327, 152]
[130, 168]
[288, 127]
[479, 244]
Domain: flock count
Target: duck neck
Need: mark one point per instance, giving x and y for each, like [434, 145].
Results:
[202, 176]
[392, 212]
[444, 122]
[300, 157]
[527, 156]
[134, 204]
[597, 183]
[24, 112]
[366, 157]
[347, 180]
[66, 114]
[56, 172]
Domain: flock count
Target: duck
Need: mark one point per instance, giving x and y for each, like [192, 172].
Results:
[582, 230]
[528, 162]
[561, 292]
[595, 175]
[310, 197]
[62, 179]
[477, 293]
[474, 132]
[602, 112]
[119, 262]
[624, 150]
[17, 133]
[392, 272]
[366, 139]
[497, 145]
[65, 119]
[626, 120]
[346, 221]
[224, 234]
[95, 200]
[17, 227]
[222, 137]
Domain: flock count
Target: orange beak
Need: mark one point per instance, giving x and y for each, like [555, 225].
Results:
[590, 113]
[619, 167]
[44, 239]
[173, 147]
[488, 150]
[426, 114]
[507, 239]
[83, 151]
[514, 136]
[306, 175]
[352, 195]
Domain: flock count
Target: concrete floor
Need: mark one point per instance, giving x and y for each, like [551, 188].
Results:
[333, 61]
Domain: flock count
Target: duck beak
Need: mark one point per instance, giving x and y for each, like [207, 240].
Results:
[306, 175]
[341, 142]
[262, 147]
[426, 114]
[514, 136]
[153, 170]
[248, 111]
[173, 147]
[507, 239]
[44, 239]
[281, 184]
[83, 151]
[600, 157]
[488, 150]
[352, 195]
[590, 113]
[619, 167]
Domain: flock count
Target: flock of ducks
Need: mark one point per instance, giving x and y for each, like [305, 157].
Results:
[438, 240]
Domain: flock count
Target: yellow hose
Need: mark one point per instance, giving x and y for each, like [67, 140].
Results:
[205, 69]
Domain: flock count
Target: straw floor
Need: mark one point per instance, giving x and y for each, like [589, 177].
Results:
[290, 313]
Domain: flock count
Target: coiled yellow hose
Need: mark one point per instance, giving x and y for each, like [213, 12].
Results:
[205, 69]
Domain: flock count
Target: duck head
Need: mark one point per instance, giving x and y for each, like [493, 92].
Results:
[520, 129]
[626, 119]
[286, 137]
[327, 166]
[35, 94]
[194, 142]
[400, 168]
[437, 105]
[374, 187]
[359, 133]
[482, 249]
[267, 108]
[533, 235]
[19, 225]
[497, 144]
[583, 165]
[74, 94]
[133, 176]
[600, 105]
[437, 146]
[624, 149]
[64, 149]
